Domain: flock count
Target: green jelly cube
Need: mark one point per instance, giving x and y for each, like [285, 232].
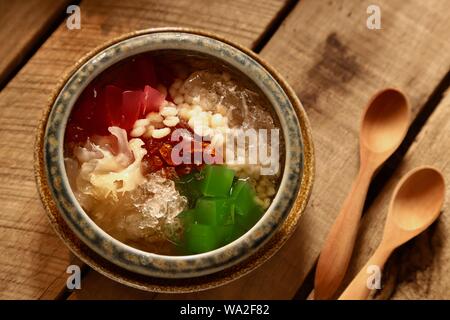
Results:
[214, 211]
[200, 238]
[225, 234]
[187, 217]
[248, 212]
[217, 181]
[190, 186]
[235, 233]
[244, 197]
[249, 220]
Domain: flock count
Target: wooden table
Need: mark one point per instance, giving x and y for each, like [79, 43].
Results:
[332, 60]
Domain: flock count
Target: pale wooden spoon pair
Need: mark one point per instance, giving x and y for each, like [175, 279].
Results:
[415, 205]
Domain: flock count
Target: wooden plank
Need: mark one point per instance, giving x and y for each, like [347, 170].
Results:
[33, 258]
[95, 286]
[335, 64]
[420, 268]
[22, 24]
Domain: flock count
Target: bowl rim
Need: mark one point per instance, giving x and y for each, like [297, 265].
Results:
[308, 152]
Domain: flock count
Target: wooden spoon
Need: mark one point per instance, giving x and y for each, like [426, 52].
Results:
[416, 203]
[383, 127]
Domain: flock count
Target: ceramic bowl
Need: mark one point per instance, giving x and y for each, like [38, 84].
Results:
[99, 249]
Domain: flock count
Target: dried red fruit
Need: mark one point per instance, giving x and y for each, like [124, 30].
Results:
[166, 153]
[152, 163]
[110, 99]
[119, 96]
[131, 108]
[152, 100]
[170, 173]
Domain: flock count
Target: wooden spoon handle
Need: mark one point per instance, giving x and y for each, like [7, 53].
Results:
[358, 289]
[336, 252]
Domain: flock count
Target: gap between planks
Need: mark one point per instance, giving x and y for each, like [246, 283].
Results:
[34, 41]
[274, 25]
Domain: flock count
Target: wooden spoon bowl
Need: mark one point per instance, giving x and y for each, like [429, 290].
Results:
[415, 205]
[383, 127]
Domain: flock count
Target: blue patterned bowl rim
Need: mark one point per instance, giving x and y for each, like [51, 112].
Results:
[147, 263]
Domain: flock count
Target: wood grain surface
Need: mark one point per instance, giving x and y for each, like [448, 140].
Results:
[33, 260]
[22, 25]
[333, 62]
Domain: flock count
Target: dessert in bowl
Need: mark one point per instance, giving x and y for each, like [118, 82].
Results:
[175, 154]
